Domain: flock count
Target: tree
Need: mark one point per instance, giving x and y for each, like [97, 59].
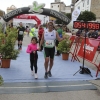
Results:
[58, 21]
[87, 16]
[68, 15]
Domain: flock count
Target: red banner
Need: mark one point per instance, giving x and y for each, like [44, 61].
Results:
[26, 16]
[72, 38]
[90, 49]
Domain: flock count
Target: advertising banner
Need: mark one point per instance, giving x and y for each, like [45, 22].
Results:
[90, 49]
[72, 38]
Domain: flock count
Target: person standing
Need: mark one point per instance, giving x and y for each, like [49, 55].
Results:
[32, 50]
[34, 31]
[40, 32]
[48, 39]
[60, 31]
[27, 30]
[21, 30]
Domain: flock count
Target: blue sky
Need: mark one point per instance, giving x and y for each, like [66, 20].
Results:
[24, 3]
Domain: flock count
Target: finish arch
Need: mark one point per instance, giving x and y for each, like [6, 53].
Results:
[34, 8]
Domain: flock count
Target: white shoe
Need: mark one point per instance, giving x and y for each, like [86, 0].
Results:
[36, 76]
[32, 72]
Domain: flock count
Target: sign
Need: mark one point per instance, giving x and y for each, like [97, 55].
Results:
[72, 38]
[86, 25]
[75, 14]
[28, 17]
[90, 49]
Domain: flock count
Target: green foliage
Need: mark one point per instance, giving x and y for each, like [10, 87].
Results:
[7, 44]
[87, 16]
[64, 45]
[58, 21]
[1, 80]
[68, 15]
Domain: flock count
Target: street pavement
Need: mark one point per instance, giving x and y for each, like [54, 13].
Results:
[82, 94]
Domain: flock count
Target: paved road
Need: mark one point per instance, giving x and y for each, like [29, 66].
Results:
[69, 95]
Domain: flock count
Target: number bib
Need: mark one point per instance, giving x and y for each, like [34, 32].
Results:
[49, 43]
[21, 32]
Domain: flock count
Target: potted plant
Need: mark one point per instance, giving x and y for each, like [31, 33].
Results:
[7, 47]
[64, 47]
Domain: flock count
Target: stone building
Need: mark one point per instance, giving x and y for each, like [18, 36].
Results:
[2, 13]
[89, 5]
[9, 9]
[95, 8]
[60, 7]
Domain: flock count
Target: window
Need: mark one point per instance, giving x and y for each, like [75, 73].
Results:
[83, 4]
[51, 6]
[58, 5]
[87, 2]
[79, 7]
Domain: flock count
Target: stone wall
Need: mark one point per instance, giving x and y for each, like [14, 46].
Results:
[95, 8]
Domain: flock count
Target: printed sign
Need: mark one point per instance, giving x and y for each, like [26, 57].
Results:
[90, 49]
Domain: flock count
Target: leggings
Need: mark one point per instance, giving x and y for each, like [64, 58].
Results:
[57, 42]
[41, 45]
[33, 62]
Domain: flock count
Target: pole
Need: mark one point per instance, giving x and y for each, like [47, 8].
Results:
[82, 68]
[44, 19]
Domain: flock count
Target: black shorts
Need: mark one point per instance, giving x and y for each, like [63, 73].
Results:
[49, 52]
[20, 38]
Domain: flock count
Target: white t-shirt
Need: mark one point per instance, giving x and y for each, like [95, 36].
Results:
[49, 38]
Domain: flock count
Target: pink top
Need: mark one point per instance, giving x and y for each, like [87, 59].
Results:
[31, 47]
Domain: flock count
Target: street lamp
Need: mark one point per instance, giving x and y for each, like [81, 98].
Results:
[72, 7]
[44, 19]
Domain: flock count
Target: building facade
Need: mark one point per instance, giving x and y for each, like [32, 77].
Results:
[95, 8]
[60, 7]
[89, 5]
[83, 5]
[11, 8]
[2, 13]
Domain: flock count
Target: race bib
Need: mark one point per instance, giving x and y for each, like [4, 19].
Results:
[21, 32]
[49, 43]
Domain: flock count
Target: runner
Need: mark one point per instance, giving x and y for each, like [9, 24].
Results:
[21, 30]
[40, 32]
[48, 38]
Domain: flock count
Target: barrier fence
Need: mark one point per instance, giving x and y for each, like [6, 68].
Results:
[90, 50]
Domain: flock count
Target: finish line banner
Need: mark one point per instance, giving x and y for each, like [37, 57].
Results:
[90, 49]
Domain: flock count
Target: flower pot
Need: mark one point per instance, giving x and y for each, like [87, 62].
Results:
[5, 63]
[65, 56]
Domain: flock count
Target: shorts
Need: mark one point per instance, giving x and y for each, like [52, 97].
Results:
[49, 52]
[20, 38]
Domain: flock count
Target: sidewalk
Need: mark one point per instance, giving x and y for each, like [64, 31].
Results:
[69, 95]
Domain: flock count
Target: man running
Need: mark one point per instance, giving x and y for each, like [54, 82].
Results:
[21, 30]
